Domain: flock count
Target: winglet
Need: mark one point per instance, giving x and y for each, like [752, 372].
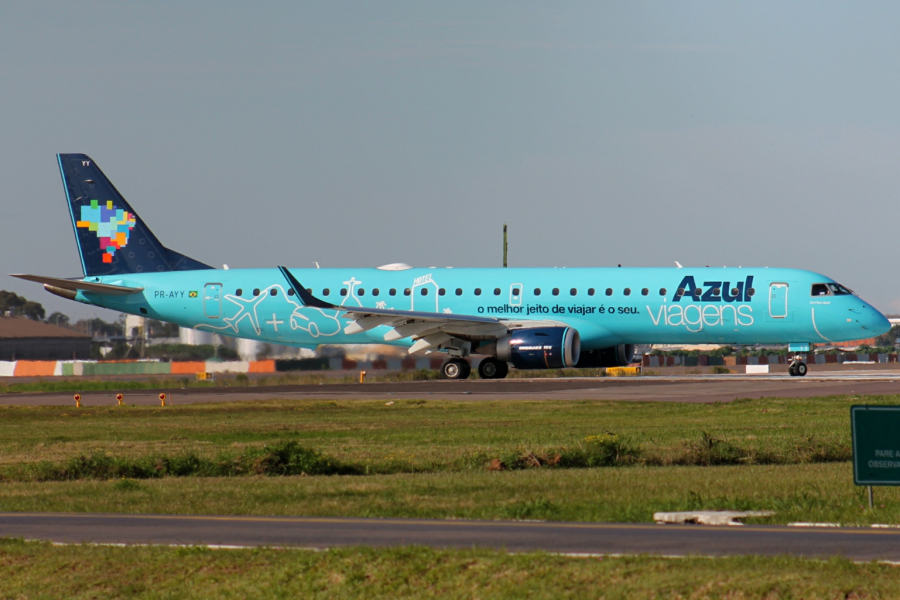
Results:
[305, 296]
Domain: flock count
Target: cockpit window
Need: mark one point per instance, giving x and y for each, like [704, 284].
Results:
[819, 289]
[839, 290]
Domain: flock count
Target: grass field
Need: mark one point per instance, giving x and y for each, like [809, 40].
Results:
[432, 459]
[812, 492]
[38, 570]
[428, 436]
[435, 459]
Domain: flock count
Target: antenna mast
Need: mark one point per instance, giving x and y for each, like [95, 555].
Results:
[505, 246]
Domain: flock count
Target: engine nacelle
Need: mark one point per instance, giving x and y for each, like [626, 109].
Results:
[614, 356]
[540, 348]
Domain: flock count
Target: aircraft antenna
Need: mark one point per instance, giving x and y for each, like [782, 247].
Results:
[505, 246]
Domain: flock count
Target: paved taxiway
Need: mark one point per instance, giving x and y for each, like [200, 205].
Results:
[703, 389]
[569, 538]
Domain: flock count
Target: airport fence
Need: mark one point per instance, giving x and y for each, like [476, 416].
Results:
[51, 368]
[812, 359]
[58, 368]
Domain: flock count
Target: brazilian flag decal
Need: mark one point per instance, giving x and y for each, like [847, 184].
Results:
[192, 294]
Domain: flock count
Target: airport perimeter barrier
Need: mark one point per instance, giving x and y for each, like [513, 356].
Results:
[812, 359]
[51, 368]
[382, 364]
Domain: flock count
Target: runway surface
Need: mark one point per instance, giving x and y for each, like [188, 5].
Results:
[702, 389]
[568, 538]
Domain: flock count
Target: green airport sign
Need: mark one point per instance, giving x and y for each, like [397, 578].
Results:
[876, 444]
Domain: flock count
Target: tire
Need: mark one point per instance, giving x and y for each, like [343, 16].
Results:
[504, 370]
[801, 369]
[467, 369]
[792, 370]
[455, 368]
[491, 368]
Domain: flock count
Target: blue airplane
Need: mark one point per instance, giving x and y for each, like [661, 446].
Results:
[526, 318]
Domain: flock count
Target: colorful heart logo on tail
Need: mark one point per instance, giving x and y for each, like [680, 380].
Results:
[112, 226]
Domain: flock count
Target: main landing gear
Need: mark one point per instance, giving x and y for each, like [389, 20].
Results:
[798, 367]
[489, 368]
[456, 368]
[493, 368]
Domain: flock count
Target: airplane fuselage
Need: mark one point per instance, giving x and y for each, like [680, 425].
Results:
[607, 306]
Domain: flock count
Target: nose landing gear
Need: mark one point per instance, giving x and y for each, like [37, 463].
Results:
[797, 367]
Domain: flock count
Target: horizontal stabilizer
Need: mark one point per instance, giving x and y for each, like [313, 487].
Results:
[77, 285]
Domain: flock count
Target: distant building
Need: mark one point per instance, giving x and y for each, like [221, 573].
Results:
[854, 343]
[24, 339]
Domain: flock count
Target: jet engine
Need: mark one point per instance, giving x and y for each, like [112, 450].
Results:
[538, 348]
[614, 356]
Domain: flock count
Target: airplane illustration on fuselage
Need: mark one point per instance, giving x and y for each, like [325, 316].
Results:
[528, 318]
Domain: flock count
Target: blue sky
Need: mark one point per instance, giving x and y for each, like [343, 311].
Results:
[358, 134]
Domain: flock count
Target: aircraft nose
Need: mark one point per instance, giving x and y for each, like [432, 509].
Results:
[881, 323]
[874, 321]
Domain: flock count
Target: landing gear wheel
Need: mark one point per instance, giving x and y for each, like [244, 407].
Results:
[492, 368]
[797, 368]
[456, 368]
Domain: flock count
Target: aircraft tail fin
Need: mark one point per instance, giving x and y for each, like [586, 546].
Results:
[112, 238]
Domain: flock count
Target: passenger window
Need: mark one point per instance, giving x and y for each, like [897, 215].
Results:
[679, 292]
[291, 292]
[238, 292]
[537, 291]
[555, 292]
[273, 292]
[716, 291]
[360, 292]
[573, 292]
[515, 292]
[326, 291]
[609, 291]
[392, 292]
[441, 292]
[662, 291]
[459, 291]
[375, 292]
[735, 291]
[590, 291]
[477, 291]
[644, 292]
[256, 292]
[751, 292]
[697, 292]
[627, 291]
[343, 291]
[496, 291]
[424, 291]
[407, 292]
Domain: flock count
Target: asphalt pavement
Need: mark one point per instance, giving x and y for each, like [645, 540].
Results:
[519, 536]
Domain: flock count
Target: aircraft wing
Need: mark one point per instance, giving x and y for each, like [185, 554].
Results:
[429, 329]
[76, 285]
